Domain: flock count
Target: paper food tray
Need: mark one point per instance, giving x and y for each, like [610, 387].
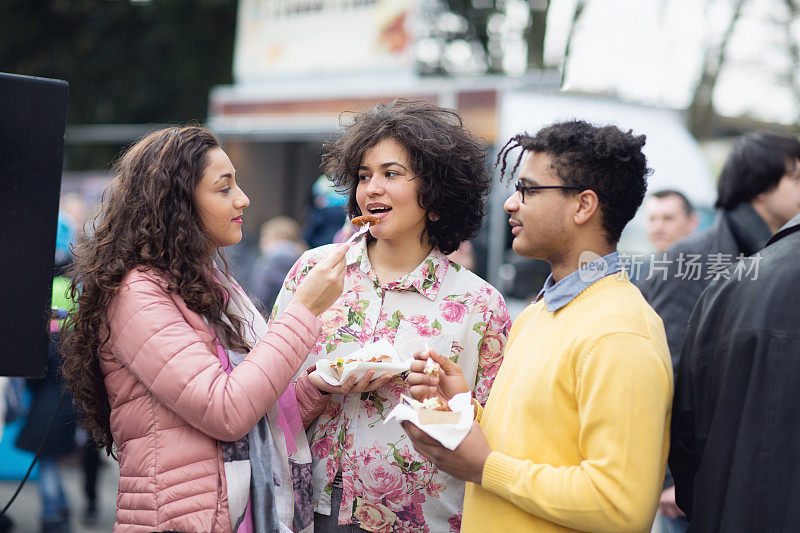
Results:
[360, 366]
[450, 435]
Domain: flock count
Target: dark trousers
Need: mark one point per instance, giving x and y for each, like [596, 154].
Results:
[90, 460]
[330, 524]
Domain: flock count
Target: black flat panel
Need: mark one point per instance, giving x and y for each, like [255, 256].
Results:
[33, 115]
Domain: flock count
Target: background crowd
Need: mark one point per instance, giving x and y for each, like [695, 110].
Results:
[196, 294]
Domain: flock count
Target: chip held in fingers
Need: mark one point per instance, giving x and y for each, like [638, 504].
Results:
[365, 219]
[432, 368]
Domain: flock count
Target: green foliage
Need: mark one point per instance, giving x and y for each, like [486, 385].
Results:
[394, 323]
[354, 317]
[126, 62]
[402, 463]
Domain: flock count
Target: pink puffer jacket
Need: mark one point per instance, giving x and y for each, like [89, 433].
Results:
[171, 402]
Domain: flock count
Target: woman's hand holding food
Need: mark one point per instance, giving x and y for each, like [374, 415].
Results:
[351, 386]
[324, 283]
[444, 383]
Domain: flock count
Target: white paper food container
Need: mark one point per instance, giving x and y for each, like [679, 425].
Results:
[360, 367]
[450, 435]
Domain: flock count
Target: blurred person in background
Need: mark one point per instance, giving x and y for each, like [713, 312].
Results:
[281, 246]
[76, 213]
[670, 218]
[758, 191]
[415, 167]
[4, 387]
[91, 464]
[169, 361]
[326, 213]
[6, 524]
[75, 209]
[51, 398]
[736, 418]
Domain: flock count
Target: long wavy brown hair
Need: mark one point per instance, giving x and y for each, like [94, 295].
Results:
[148, 220]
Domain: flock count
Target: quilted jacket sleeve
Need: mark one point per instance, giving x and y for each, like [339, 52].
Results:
[154, 341]
[310, 399]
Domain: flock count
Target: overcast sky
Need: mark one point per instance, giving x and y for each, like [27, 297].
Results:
[651, 51]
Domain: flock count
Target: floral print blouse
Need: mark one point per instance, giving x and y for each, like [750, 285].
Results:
[387, 486]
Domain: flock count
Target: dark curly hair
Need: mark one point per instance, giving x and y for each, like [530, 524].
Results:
[604, 159]
[448, 161]
[149, 220]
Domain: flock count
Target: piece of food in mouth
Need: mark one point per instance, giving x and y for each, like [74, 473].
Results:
[436, 411]
[365, 219]
[431, 367]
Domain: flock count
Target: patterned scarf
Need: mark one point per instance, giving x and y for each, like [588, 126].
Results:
[268, 472]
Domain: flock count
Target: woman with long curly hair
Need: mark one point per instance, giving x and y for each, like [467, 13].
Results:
[413, 166]
[170, 362]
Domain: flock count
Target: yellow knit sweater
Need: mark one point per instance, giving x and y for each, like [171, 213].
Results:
[578, 418]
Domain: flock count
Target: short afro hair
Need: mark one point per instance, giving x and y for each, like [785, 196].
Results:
[604, 159]
[448, 161]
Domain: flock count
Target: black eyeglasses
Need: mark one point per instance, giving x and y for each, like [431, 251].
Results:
[524, 189]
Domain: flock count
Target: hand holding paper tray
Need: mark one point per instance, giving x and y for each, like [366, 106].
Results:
[358, 364]
[450, 435]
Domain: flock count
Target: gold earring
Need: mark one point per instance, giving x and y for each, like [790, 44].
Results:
[433, 217]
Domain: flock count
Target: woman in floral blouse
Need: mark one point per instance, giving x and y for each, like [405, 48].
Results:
[416, 168]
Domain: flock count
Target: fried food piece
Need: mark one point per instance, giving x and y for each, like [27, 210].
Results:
[435, 404]
[365, 219]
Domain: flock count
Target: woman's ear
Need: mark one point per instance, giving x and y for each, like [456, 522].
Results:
[587, 206]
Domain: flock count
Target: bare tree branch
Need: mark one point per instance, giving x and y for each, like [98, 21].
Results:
[576, 15]
[535, 32]
[701, 109]
[794, 51]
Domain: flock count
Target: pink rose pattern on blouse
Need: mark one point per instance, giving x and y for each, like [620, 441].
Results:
[387, 486]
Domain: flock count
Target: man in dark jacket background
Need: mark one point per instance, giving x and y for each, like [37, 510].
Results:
[758, 191]
[736, 414]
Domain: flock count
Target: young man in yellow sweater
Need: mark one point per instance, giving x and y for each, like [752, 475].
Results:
[575, 434]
